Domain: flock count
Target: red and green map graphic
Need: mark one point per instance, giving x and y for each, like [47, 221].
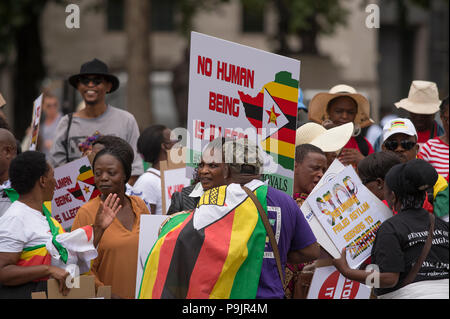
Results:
[84, 188]
[275, 107]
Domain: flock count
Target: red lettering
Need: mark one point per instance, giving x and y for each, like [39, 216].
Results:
[58, 219]
[235, 74]
[204, 66]
[199, 129]
[224, 104]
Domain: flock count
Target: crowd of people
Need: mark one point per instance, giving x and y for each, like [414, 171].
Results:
[229, 234]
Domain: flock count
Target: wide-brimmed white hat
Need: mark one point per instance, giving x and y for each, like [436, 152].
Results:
[317, 110]
[423, 98]
[331, 140]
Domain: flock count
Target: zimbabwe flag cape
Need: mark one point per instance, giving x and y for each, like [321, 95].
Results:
[216, 251]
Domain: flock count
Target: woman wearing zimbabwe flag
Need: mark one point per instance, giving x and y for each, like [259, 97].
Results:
[33, 245]
[221, 250]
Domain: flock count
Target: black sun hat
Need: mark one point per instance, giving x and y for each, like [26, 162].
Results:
[95, 67]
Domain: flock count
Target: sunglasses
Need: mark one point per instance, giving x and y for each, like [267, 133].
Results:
[406, 145]
[96, 80]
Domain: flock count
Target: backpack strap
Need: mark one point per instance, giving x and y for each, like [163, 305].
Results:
[423, 255]
[269, 230]
[66, 140]
[362, 144]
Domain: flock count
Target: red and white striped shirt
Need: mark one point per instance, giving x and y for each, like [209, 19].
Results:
[435, 152]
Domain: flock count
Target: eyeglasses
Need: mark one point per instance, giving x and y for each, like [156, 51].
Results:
[393, 144]
[86, 80]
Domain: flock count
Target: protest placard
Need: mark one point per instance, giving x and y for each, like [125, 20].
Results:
[328, 283]
[239, 91]
[322, 237]
[148, 234]
[349, 213]
[75, 186]
[173, 179]
[36, 118]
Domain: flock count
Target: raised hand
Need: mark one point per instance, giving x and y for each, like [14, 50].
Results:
[107, 211]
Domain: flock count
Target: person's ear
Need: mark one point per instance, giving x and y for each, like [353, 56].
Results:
[42, 181]
[380, 183]
[416, 148]
[226, 172]
[108, 86]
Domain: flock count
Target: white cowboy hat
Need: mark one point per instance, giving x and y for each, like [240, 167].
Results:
[317, 110]
[331, 140]
[423, 98]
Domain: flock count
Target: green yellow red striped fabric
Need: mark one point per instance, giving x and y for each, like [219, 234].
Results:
[38, 255]
[219, 261]
[440, 197]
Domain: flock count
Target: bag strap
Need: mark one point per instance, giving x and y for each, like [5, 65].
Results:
[269, 230]
[362, 144]
[425, 250]
[66, 141]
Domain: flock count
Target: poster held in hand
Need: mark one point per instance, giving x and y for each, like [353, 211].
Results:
[75, 186]
[349, 214]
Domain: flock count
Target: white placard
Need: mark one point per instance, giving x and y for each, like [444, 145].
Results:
[237, 91]
[349, 213]
[328, 283]
[36, 118]
[174, 181]
[148, 234]
[75, 186]
[322, 237]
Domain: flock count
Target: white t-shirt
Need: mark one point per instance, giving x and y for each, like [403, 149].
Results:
[22, 227]
[5, 202]
[148, 187]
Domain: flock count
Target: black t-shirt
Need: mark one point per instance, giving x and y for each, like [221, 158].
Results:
[399, 243]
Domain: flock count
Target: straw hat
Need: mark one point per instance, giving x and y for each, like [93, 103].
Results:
[318, 105]
[331, 140]
[423, 98]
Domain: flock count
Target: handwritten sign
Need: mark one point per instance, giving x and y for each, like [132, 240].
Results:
[349, 214]
[238, 91]
[75, 186]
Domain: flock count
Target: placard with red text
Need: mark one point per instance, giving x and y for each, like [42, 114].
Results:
[75, 186]
[239, 91]
[328, 283]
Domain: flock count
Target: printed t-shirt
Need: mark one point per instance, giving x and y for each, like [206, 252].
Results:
[292, 232]
[399, 242]
[116, 264]
[22, 227]
[148, 187]
[5, 202]
[113, 121]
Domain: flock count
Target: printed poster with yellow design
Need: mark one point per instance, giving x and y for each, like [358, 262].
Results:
[238, 91]
[349, 214]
